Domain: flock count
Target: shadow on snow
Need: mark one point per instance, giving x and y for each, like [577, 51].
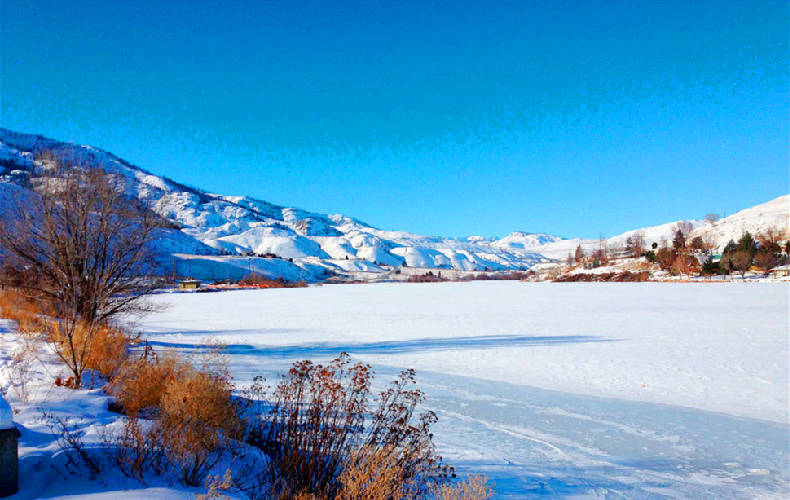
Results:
[391, 347]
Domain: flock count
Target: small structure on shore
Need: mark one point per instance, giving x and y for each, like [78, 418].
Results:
[9, 458]
[189, 284]
[781, 271]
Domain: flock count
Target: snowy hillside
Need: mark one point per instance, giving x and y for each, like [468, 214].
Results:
[216, 230]
[772, 215]
[213, 224]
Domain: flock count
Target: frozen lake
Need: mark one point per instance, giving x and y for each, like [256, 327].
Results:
[592, 389]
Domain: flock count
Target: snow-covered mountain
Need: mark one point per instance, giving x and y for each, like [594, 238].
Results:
[774, 214]
[215, 230]
[217, 225]
[771, 215]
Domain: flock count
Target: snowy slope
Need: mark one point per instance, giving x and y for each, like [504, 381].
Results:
[559, 249]
[216, 224]
[774, 214]
[771, 215]
[213, 224]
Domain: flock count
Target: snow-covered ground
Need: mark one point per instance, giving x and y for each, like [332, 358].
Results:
[592, 389]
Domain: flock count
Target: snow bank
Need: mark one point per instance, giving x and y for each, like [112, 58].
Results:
[6, 415]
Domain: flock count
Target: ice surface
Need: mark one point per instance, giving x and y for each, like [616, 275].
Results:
[640, 390]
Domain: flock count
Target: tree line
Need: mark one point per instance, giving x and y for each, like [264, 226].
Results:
[686, 255]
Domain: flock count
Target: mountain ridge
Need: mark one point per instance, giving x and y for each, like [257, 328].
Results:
[313, 245]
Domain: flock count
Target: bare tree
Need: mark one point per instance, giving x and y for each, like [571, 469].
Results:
[665, 257]
[765, 259]
[83, 248]
[682, 229]
[697, 243]
[636, 244]
[579, 254]
[708, 243]
[742, 261]
[685, 264]
[711, 218]
[602, 254]
[769, 240]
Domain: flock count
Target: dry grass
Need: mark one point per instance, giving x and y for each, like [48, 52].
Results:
[215, 486]
[473, 488]
[141, 382]
[29, 315]
[107, 346]
[258, 281]
[109, 351]
[19, 371]
[137, 449]
[198, 417]
[372, 475]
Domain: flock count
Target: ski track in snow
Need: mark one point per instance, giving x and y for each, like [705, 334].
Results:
[569, 437]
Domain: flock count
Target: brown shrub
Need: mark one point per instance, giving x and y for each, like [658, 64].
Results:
[109, 351]
[258, 281]
[428, 277]
[20, 368]
[198, 417]
[473, 488]
[28, 313]
[319, 427]
[106, 346]
[137, 449]
[372, 475]
[142, 381]
[622, 276]
[216, 486]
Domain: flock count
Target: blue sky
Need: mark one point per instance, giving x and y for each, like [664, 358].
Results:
[451, 118]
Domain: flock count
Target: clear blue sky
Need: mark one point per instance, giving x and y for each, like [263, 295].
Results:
[452, 118]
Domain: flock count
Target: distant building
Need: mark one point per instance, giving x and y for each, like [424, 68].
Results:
[781, 271]
[189, 284]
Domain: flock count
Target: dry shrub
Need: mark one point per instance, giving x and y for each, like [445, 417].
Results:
[137, 449]
[28, 313]
[428, 277]
[372, 475]
[588, 277]
[319, 427]
[379, 475]
[70, 438]
[109, 350]
[258, 281]
[198, 417]
[22, 365]
[99, 347]
[215, 487]
[473, 488]
[141, 382]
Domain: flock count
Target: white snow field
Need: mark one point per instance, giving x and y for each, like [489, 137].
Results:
[642, 390]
